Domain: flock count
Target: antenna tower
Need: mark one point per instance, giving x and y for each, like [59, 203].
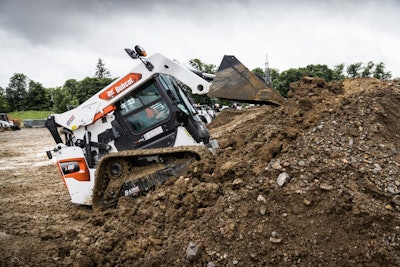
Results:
[267, 72]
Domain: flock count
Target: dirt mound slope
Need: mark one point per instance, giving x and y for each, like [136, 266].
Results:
[314, 182]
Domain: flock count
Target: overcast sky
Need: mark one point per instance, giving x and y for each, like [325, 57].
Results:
[51, 41]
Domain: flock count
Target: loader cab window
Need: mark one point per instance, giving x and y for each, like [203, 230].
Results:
[139, 99]
[182, 101]
[144, 108]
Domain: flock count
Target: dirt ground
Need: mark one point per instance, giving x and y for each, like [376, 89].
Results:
[314, 182]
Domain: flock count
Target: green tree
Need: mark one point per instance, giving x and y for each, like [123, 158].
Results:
[353, 70]
[380, 73]
[61, 99]
[283, 80]
[3, 101]
[203, 67]
[37, 98]
[259, 73]
[16, 92]
[338, 72]
[207, 68]
[367, 71]
[72, 86]
[319, 70]
[101, 70]
[274, 73]
[90, 86]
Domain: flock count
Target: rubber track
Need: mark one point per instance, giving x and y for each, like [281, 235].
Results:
[98, 194]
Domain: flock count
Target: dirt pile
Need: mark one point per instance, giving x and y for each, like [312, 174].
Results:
[314, 182]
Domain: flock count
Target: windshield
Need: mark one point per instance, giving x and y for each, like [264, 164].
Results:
[144, 108]
[183, 102]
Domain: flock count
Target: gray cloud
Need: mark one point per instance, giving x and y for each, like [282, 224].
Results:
[51, 41]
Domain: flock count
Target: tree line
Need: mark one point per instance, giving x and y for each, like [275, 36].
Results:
[24, 94]
[281, 80]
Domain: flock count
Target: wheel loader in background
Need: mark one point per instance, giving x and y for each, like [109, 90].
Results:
[7, 123]
[142, 129]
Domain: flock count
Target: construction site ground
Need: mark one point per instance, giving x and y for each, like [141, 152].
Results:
[314, 182]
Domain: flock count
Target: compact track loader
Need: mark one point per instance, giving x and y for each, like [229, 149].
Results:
[8, 124]
[142, 129]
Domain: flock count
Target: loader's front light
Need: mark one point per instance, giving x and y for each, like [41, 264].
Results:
[140, 51]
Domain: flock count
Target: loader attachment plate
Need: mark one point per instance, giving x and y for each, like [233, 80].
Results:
[133, 173]
[234, 81]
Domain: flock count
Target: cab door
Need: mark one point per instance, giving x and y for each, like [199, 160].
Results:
[145, 118]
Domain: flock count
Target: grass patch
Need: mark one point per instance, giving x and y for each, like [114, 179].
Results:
[29, 115]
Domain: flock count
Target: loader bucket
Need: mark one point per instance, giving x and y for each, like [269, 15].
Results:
[234, 81]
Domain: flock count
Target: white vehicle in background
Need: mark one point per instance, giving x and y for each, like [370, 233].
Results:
[224, 107]
[6, 123]
[203, 113]
[208, 109]
[211, 112]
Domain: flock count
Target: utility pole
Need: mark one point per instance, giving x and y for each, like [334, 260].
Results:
[266, 71]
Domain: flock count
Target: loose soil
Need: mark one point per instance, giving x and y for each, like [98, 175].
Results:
[314, 182]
